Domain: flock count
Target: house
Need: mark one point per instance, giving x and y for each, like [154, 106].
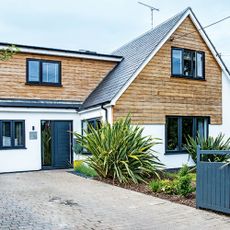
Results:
[171, 79]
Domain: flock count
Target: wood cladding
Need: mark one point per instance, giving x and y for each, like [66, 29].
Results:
[79, 78]
[155, 94]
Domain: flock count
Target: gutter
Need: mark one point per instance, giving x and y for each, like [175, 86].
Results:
[64, 53]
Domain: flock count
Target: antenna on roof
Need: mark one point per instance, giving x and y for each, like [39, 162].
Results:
[151, 9]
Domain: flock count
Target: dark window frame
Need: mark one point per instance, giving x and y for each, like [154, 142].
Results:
[179, 132]
[12, 130]
[194, 76]
[41, 82]
[82, 130]
[95, 119]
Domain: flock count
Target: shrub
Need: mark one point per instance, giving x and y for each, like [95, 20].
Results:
[168, 186]
[181, 184]
[169, 175]
[120, 151]
[86, 170]
[184, 182]
[165, 186]
[210, 143]
[155, 185]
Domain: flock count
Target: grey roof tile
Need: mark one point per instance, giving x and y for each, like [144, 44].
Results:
[134, 54]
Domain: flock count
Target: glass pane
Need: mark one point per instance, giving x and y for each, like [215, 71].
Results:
[84, 127]
[18, 129]
[50, 72]
[199, 58]
[177, 62]
[33, 71]
[202, 127]
[98, 124]
[187, 130]
[172, 134]
[92, 124]
[188, 57]
[6, 134]
[46, 142]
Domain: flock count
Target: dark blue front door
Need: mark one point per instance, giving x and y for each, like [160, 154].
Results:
[61, 144]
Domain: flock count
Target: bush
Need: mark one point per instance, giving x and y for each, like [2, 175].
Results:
[85, 170]
[181, 184]
[184, 182]
[165, 186]
[120, 152]
[210, 143]
[168, 186]
[155, 185]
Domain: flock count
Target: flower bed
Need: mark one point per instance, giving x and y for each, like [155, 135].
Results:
[190, 200]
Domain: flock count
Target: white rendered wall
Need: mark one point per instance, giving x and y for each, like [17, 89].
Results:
[157, 131]
[89, 114]
[92, 113]
[30, 158]
[214, 130]
[172, 160]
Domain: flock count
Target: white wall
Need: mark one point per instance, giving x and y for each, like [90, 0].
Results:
[89, 114]
[92, 113]
[214, 130]
[30, 158]
[172, 160]
[157, 131]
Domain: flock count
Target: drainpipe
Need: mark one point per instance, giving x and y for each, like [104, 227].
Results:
[106, 112]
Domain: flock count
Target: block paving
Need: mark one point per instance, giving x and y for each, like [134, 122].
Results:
[58, 199]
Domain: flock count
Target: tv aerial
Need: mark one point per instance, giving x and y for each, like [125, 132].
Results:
[151, 9]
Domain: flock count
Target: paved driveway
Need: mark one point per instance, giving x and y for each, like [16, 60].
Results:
[60, 200]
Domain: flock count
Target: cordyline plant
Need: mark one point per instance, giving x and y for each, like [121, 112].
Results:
[120, 152]
[210, 143]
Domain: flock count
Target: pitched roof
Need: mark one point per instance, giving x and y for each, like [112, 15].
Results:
[134, 54]
[137, 53]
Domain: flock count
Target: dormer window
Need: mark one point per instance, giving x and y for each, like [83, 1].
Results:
[187, 63]
[43, 72]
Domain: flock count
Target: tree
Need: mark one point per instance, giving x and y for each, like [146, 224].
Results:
[7, 53]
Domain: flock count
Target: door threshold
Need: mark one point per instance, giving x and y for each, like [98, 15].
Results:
[54, 168]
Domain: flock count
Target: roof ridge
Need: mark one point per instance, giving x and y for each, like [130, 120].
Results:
[149, 31]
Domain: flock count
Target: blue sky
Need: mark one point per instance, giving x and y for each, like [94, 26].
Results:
[101, 25]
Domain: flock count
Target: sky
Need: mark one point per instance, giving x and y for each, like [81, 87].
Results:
[102, 25]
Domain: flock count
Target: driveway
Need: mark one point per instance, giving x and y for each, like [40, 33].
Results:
[60, 200]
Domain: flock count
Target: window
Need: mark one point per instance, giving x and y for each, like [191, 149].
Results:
[12, 134]
[187, 63]
[178, 129]
[95, 123]
[43, 72]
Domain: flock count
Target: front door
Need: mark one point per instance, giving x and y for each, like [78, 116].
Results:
[56, 144]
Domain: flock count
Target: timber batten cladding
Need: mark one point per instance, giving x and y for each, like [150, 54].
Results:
[79, 77]
[155, 94]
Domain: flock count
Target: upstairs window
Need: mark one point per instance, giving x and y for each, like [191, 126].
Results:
[187, 63]
[178, 129]
[43, 72]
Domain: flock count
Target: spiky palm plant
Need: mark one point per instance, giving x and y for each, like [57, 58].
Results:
[120, 151]
[210, 143]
